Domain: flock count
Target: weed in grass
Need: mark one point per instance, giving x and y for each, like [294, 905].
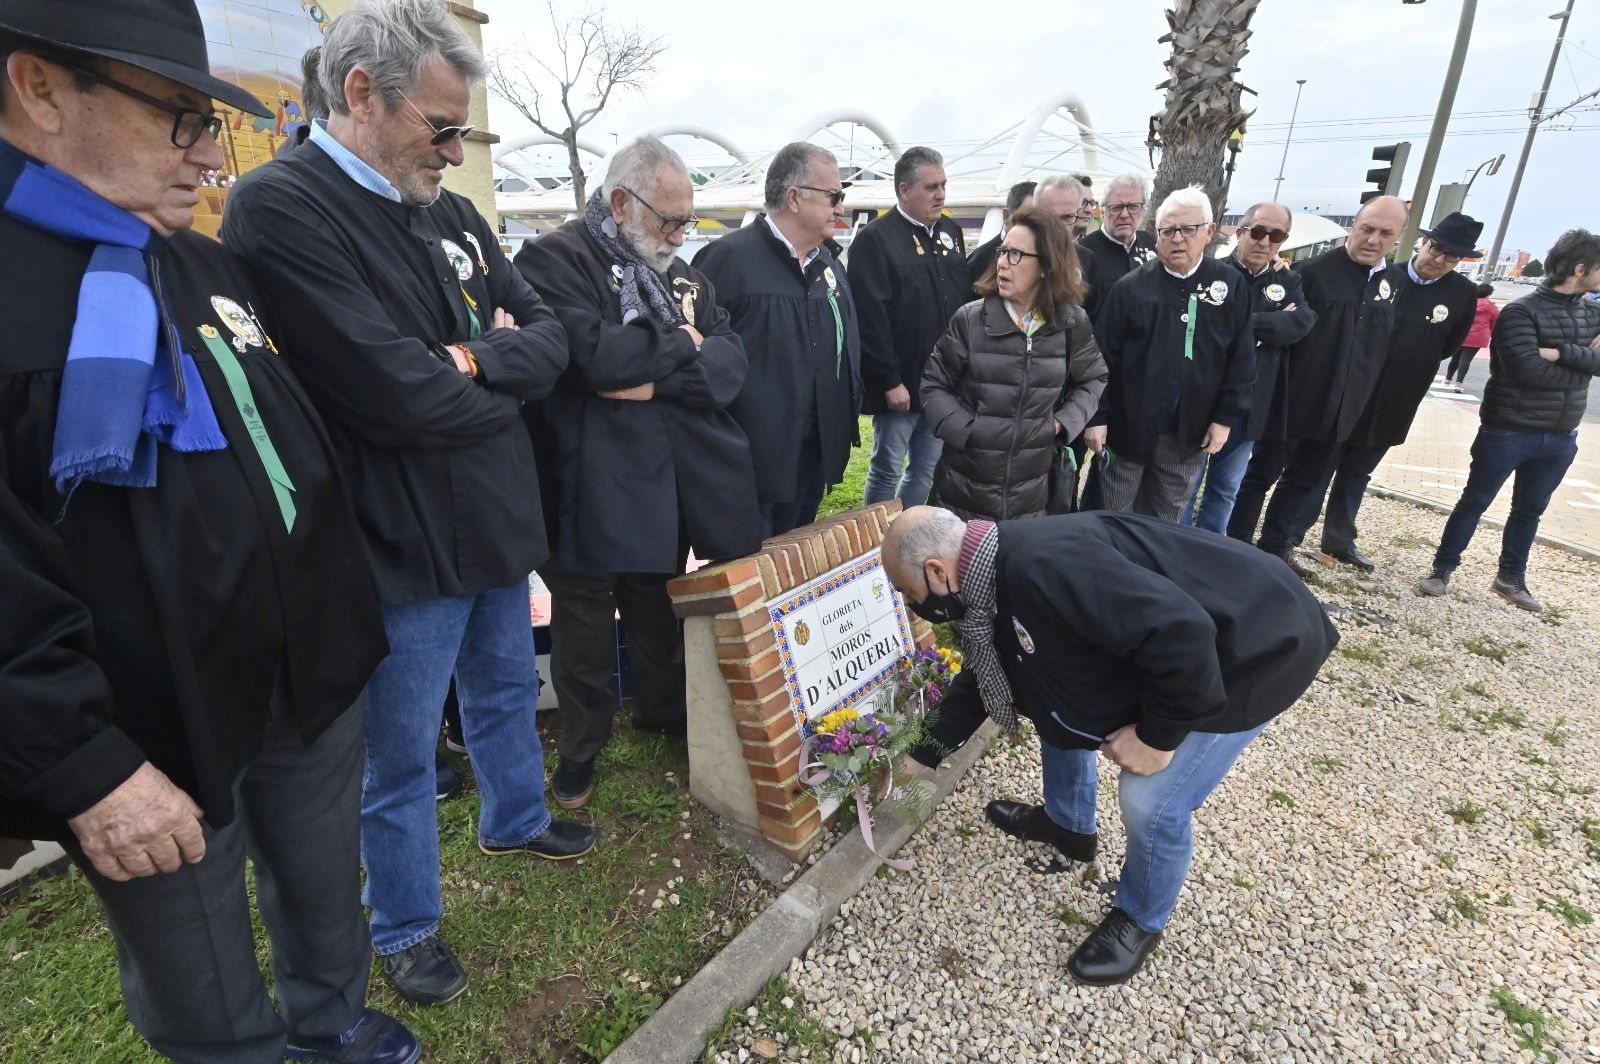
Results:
[1529, 1024]
[780, 1009]
[1553, 616]
[1262, 1027]
[1281, 798]
[625, 1009]
[1358, 986]
[1500, 716]
[1412, 543]
[1450, 722]
[1447, 859]
[1476, 688]
[1324, 763]
[953, 961]
[1468, 812]
[1421, 661]
[1539, 833]
[1530, 757]
[1574, 915]
[1244, 884]
[1368, 652]
[1091, 873]
[1070, 916]
[650, 804]
[1468, 904]
[1556, 734]
[966, 831]
[1591, 834]
[1485, 647]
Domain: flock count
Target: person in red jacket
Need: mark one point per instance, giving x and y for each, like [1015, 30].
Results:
[1483, 320]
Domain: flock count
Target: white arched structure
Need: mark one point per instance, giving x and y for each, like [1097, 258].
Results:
[506, 155]
[675, 129]
[845, 115]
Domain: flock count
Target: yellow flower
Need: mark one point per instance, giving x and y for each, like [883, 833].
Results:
[836, 720]
[955, 667]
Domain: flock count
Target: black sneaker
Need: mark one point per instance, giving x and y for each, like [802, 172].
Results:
[1113, 952]
[573, 783]
[448, 779]
[427, 973]
[561, 841]
[375, 1039]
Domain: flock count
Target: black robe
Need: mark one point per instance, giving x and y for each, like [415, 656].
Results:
[906, 286]
[1142, 331]
[1108, 619]
[624, 479]
[1274, 329]
[1337, 364]
[365, 289]
[1430, 322]
[801, 382]
[164, 624]
[982, 259]
[1105, 262]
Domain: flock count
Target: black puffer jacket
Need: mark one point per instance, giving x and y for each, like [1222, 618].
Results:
[1524, 391]
[995, 397]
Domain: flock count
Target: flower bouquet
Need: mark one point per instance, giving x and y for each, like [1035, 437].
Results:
[851, 753]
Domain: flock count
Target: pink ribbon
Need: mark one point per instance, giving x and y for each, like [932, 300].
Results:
[863, 814]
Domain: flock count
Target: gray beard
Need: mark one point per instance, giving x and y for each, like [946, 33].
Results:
[660, 258]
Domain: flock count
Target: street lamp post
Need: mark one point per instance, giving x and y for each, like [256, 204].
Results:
[1301, 84]
[1441, 119]
[1534, 119]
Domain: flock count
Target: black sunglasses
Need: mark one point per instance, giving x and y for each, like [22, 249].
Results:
[441, 134]
[669, 226]
[835, 195]
[1261, 232]
[187, 123]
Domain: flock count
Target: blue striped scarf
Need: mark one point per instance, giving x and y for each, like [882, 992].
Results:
[118, 400]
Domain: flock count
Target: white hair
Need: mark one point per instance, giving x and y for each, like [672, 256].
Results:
[638, 165]
[1193, 196]
[1066, 181]
[1130, 180]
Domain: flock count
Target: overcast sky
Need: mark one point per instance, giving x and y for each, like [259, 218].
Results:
[953, 74]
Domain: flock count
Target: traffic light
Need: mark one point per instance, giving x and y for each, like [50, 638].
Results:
[1387, 178]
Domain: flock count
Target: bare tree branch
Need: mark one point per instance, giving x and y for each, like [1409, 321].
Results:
[616, 59]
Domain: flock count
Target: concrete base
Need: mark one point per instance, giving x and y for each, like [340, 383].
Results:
[718, 776]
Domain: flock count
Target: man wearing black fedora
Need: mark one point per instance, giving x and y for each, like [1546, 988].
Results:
[189, 618]
[1433, 310]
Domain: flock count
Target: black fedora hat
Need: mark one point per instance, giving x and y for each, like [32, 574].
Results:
[1457, 234]
[162, 36]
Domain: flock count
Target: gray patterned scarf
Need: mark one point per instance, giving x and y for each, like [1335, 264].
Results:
[640, 288]
[976, 627]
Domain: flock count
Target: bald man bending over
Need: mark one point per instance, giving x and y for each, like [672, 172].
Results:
[1167, 649]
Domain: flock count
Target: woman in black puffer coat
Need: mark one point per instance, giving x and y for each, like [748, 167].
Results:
[1015, 371]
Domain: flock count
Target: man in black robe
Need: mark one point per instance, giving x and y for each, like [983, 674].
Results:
[189, 617]
[1432, 312]
[639, 458]
[982, 256]
[419, 343]
[789, 301]
[908, 274]
[1177, 340]
[1336, 369]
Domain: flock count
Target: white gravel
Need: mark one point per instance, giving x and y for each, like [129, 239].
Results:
[1336, 909]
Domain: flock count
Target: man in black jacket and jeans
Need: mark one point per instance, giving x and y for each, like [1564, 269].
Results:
[1545, 352]
[1116, 633]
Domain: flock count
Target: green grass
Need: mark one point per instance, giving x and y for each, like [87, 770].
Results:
[1371, 653]
[848, 493]
[1324, 763]
[778, 1008]
[1070, 916]
[565, 959]
[1556, 735]
[1574, 915]
[1485, 647]
[1468, 812]
[1468, 905]
[1281, 798]
[1590, 827]
[1528, 1024]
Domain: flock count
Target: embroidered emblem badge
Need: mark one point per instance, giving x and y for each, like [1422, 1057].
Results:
[949, 245]
[1384, 291]
[1275, 293]
[686, 298]
[240, 322]
[458, 258]
[1217, 292]
[1440, 313]
[1022, 636]
[483, 263]
[802, 633]
[827, 275]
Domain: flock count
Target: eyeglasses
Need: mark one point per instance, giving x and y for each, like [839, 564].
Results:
[1124, 208]
[441, 135]
[1090, 204]
[1261, 232]
[1439, 253]
[1178, 232]
[187, 123]
[835, 195]
[1012, 256]
[669, 226]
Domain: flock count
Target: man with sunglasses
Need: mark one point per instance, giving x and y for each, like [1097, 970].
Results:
[420, 344]
[1278, 317]
[1432, 314]
[1177, 340]
[189, 616]
[639, 458]
[790, 302]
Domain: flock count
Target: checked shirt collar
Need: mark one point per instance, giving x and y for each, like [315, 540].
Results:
[975, 569]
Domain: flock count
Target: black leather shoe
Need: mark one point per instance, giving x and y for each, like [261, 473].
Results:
[1352, 556]
[676, 728]
[1113, 952]
[573, 783]
[449, 780]
[1032, 824]
[427, 973]
[561, 841]
[375, 1039]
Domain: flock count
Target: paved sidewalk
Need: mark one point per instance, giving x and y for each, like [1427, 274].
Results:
[1433, 463]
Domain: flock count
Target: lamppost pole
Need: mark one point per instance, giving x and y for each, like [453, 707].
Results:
[1527, 145]
[1301, 84]
[1441, 119]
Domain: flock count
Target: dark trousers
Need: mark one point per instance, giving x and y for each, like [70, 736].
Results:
[1460, 362]
[1539, 460]
[184, 945]
[1297, 500]
[583, 608]
[1267, 462]
[1345, 490]
[780, 517]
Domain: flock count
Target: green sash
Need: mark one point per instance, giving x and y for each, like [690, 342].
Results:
[244, 399]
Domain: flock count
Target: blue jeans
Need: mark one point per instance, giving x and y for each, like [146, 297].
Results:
[486, 642]
[1224, 471]
[1539, 460]
[1157, 813]
[894, 438]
